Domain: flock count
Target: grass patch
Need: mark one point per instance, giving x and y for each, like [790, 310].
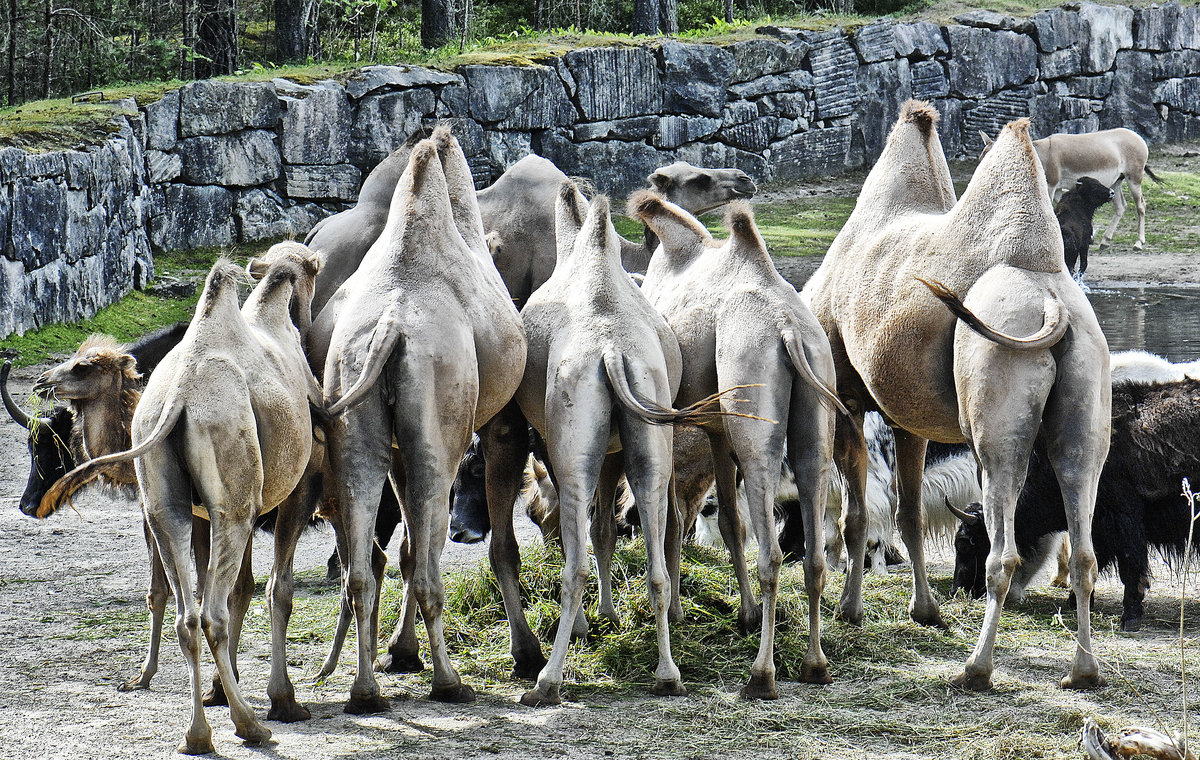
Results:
[1172, 215]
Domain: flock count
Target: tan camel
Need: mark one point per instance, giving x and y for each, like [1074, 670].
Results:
[225, 415]
[1110, 156]
[952, 376]
[603, 368]
[426, 348]
[740, 323]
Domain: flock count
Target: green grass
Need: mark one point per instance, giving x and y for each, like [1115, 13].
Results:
[1172, 215]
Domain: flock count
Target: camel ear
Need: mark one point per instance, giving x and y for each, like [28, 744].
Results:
[659, 181]
[257, 268]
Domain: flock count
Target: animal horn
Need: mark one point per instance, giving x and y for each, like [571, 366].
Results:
[966, 517]
[20, 417]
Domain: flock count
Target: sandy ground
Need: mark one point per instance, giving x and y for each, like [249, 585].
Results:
[67, 585]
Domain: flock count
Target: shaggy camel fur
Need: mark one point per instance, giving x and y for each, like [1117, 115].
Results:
[225, 416]
[427, 347]
[944, 374]
[603, 368]
[1111, 156]
[740, 323]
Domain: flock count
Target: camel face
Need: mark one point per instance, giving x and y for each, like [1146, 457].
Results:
[1013, 351]
[699, 190]
[98, 368]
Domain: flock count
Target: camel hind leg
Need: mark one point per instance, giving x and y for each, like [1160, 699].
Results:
[910, 461]
[604, 541]
[733, 531]
[156, 603]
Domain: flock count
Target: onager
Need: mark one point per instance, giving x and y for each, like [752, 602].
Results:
[602, 371]
[426, 347]
[739, 323]
[951, 375]
[226, 416]
[1110, 156]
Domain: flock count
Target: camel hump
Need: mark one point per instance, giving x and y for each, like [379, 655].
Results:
[675, 227]
[920, 113]
[740, 221]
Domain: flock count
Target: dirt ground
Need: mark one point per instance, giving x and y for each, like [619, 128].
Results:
[68, 585]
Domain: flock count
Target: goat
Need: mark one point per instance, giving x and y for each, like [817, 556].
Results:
[1074, 213]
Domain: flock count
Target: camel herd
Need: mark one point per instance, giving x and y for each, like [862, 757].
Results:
[954, 318]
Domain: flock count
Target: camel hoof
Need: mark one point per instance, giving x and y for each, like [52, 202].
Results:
[536, 697]
[1093, 681]
[849, 616]
[1060, 583]
[456, 695]
[134, 684]
[1138, 245]
[376, 703]
[253, 734]
[201, 746]
[672, 688]
[750, 620]
[288, 711]
[400, 663]
[933, 620]
[675, 613]
[760, 687]
[528, 668]
[818, 674]
[215, 697]
[1132, 625]
[577, 633]
[968, 682]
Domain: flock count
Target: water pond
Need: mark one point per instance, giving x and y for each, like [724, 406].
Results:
[1163, 320]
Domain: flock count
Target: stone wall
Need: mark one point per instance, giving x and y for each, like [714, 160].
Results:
[218, 163]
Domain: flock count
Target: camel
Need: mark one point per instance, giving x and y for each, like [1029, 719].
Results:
[739, 323]
[1111, 156]
[226, 415]
[957, 374]
[518, 208]
[425, 347]
[602, 370]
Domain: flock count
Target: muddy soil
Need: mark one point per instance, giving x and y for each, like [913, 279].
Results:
[69, 587]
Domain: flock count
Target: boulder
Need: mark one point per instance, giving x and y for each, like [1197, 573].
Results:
[467, 131]
[694, 78]
[635, 128]
[1128, 104]
[517, 97]
[876, 41]
[834, 68]
[339, 183]
[162, 122]
[753, 136]
[1177, 63]
[792, 81]
[674, 131]
[212, 107]
[187, 216]
[45, 165]
[950, 127]
[243, 159]
[815, 153]
[503, 149]
[983, 61]
[929, 80]
[384, 121]
[453, 100]
[1096, 88]
[720, 154]
[162, 167]
[1156, 28]
[919, 40]
[38, 222]
[882, 87]
[739, 112]
[615, 82]
[316, 124]
[1059, 63]
[758, 58]
[1181, 94]
[992, 114]
[262, 215]
[371, 78]
[986, 19]
[1107, 29]
[614, 167]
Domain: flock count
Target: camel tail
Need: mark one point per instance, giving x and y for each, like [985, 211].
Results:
[66, 486]
[699, 413]
[1157, 179]
[805, 371]
[1054, 326]
[384, 339]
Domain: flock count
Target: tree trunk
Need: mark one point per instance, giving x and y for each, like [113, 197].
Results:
[645, 16]
[48, 41]
[728, 11]
[437, 23]
[12, 53]
[291, 30]
[216, 38]
[668, 16]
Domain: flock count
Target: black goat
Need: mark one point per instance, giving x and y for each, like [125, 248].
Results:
[1074, 213]
[1155, 445]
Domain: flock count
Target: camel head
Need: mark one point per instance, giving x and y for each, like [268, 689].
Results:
[699, 190]
[304, 284]
[100, 368]
[682, 235]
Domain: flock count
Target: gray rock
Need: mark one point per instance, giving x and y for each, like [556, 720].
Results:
[162, 122]
[753, 136]
[162, 167]
[1108, 28]
[86, 228]
[758, 58]
[694, 77]
[371, 78]
[1096, 88]
[80, 169]
[985, 19]
[517, 97]
[1181, 127]
[719, 154]
[467, 131]
[794, 105]
[613, 166]
[339, 183]
[922, 39]
[1179, 94]
[316, 125]
[615, 82]
[1056, 29]
[1156, 27]
[793, 81]
[1189, 27]
[1059, 63]
[674, 131]
[385, 121]
[739, 112]
[38, 222]
[876, 41]
[834, 67]
[12, 164]
[262, 215]
[929, 80]
[1177, 63]
[984, 61]
[45, 165]
[1127, 104]
[239, 160]
[992, 114]
[883, 87]
[814, 153]
[186, 216]
[950, 127]
[503, 149]
[304, 216]
[212, 107]
[453, 100]
[635, 128]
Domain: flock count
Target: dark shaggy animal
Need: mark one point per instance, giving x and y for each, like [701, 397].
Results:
[1155, 445]
[1074, 213]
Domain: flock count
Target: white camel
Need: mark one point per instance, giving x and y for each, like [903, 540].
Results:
[951, 375]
